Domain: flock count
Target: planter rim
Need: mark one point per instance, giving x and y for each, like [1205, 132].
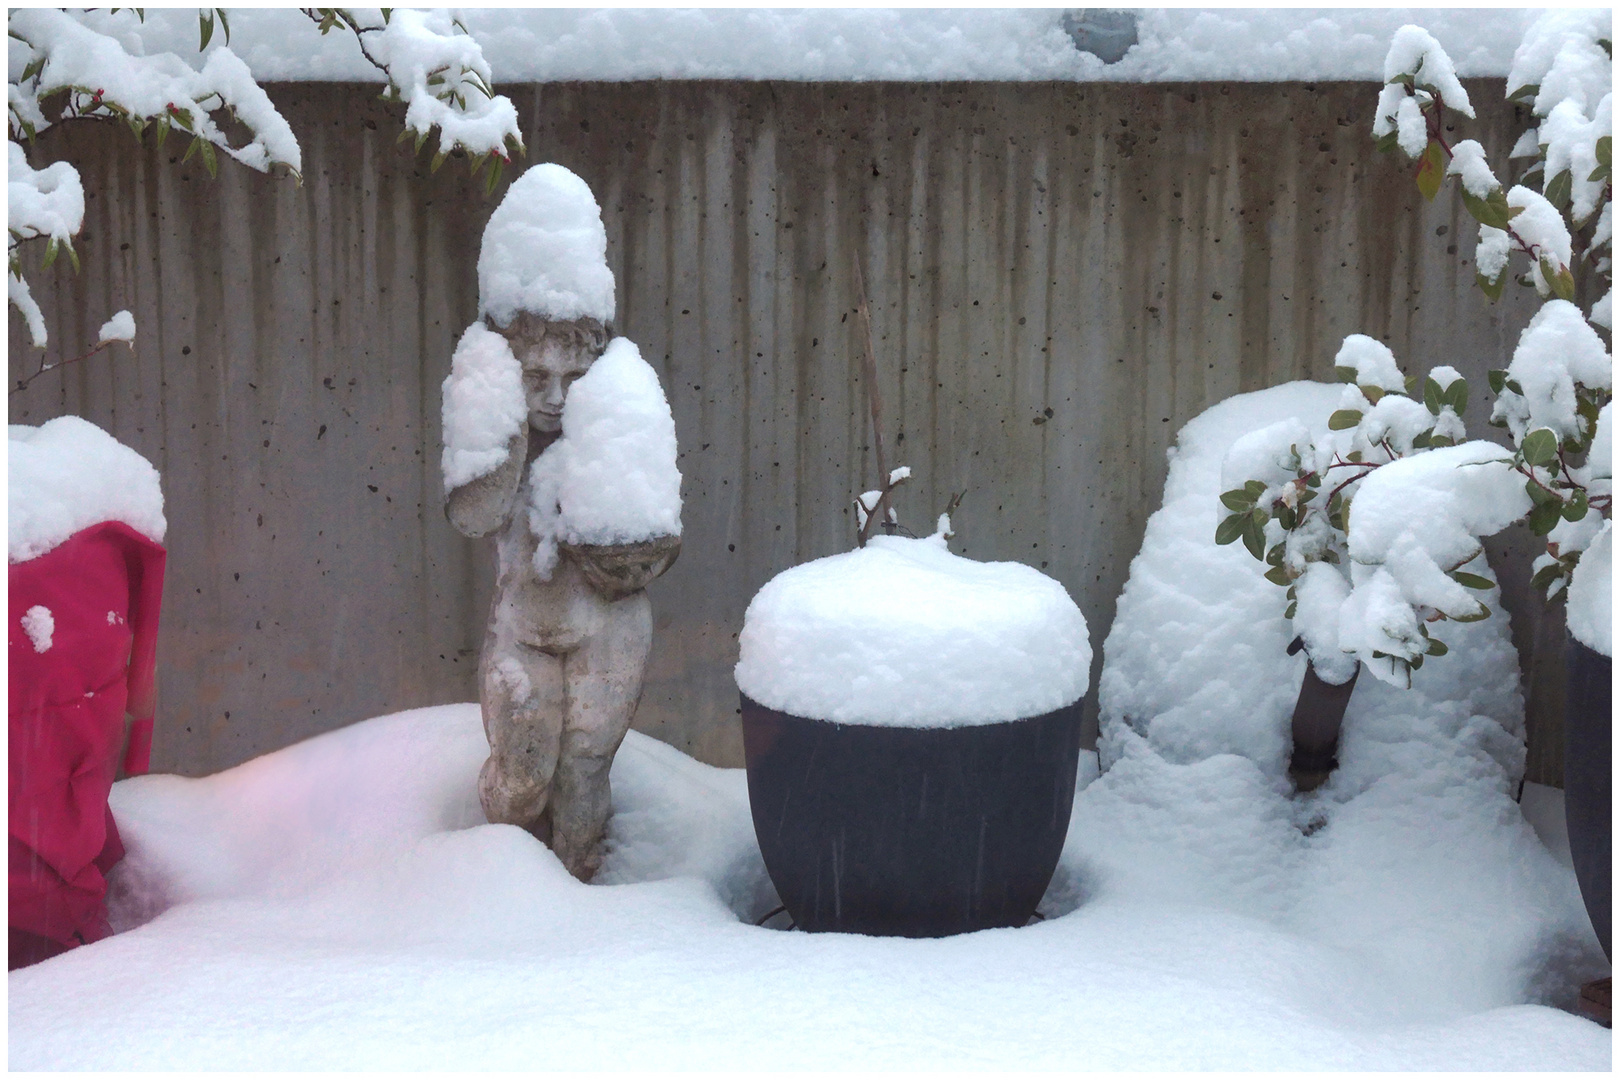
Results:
[974, 725]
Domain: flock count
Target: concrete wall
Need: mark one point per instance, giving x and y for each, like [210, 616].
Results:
[1061, 275]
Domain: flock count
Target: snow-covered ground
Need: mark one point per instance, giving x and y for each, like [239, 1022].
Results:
[339, 904]
[1174, 44]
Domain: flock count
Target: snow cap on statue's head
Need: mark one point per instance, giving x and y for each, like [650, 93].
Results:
[545, 251]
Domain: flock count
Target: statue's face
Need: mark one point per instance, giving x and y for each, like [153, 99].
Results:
[549, 369]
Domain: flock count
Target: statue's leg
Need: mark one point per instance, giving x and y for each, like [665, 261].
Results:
[604, 683]
[523, 697]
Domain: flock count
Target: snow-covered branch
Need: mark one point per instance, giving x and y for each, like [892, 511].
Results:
[439, 71]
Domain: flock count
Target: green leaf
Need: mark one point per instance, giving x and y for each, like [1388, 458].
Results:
[1547, 575]
[192, 149]
[1345, 374]
[1436, 647]
[1372, 393]
[1539, 495]
[1542, 518]
[493, 177]
[1278, 575]
[1563, 283]
[34, 68]
[1605, 147]
[421, 138]
[210, 162]
[225, 24]
[1472, 581]
[162, 130]
[387, 13]
[50, 252]
[438, 160]
[404, 133]
[1497, 378]
[1292, 609]
[1230, 529]
[73, 257]
[1456, 396]
[1558, 189]
[1492, 210]
[1344, 419]
[1526, 93]
[1254, 537]
[1274, 557]
[1254, 489]
[1576, 508]
[1432, 397]
[1431, 170]
[205, 28]
[1479, 616]
[1540, 446]
[1237, 499]
[1287, 517]
[1491, 287]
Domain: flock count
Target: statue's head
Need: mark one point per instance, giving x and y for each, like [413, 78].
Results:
[553, 355]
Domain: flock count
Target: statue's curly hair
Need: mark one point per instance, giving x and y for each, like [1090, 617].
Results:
[528, 330]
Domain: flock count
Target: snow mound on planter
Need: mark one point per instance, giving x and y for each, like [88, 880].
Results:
[903, 633]
[545, 251]
[1413, 856]
[68, 474]
[611, 478]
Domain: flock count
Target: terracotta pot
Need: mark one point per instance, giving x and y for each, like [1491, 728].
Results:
[915, 832]
[1588, 795]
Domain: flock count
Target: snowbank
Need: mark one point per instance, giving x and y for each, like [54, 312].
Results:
[339, 905]
[66, 475]
[545, 251]
[852, 43]
[903, 633]
[1413, 856]
[611, 478]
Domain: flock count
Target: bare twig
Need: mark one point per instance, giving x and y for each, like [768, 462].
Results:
[22, 384]
[875, 398]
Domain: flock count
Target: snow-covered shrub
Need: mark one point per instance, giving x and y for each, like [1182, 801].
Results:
[81, 65]
[1364, 587]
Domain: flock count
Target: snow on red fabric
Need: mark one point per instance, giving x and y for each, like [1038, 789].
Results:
[99, 593]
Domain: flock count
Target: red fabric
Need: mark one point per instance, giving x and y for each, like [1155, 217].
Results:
[103, 587]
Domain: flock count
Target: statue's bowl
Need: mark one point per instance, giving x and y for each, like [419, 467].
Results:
[617, 570]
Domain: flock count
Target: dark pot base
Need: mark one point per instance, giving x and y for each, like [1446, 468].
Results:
[1588, 790]
[912, 832]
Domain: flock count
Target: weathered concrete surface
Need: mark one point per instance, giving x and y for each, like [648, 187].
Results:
[1123, 256]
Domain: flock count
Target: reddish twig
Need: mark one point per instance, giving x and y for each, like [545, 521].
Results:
[22, 384]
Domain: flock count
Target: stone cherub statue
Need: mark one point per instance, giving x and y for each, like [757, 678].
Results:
[560, 443]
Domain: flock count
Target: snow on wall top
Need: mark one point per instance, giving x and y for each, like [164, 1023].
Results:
[902, 633]
[880, 44]
[545, 251]
[67, 475]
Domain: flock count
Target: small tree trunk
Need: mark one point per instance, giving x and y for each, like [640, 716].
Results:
[1318, 716]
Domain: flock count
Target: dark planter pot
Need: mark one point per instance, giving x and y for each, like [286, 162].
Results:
[1588, 795]
[912, 832]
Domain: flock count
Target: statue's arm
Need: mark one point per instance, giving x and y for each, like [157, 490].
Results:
[480, 507]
